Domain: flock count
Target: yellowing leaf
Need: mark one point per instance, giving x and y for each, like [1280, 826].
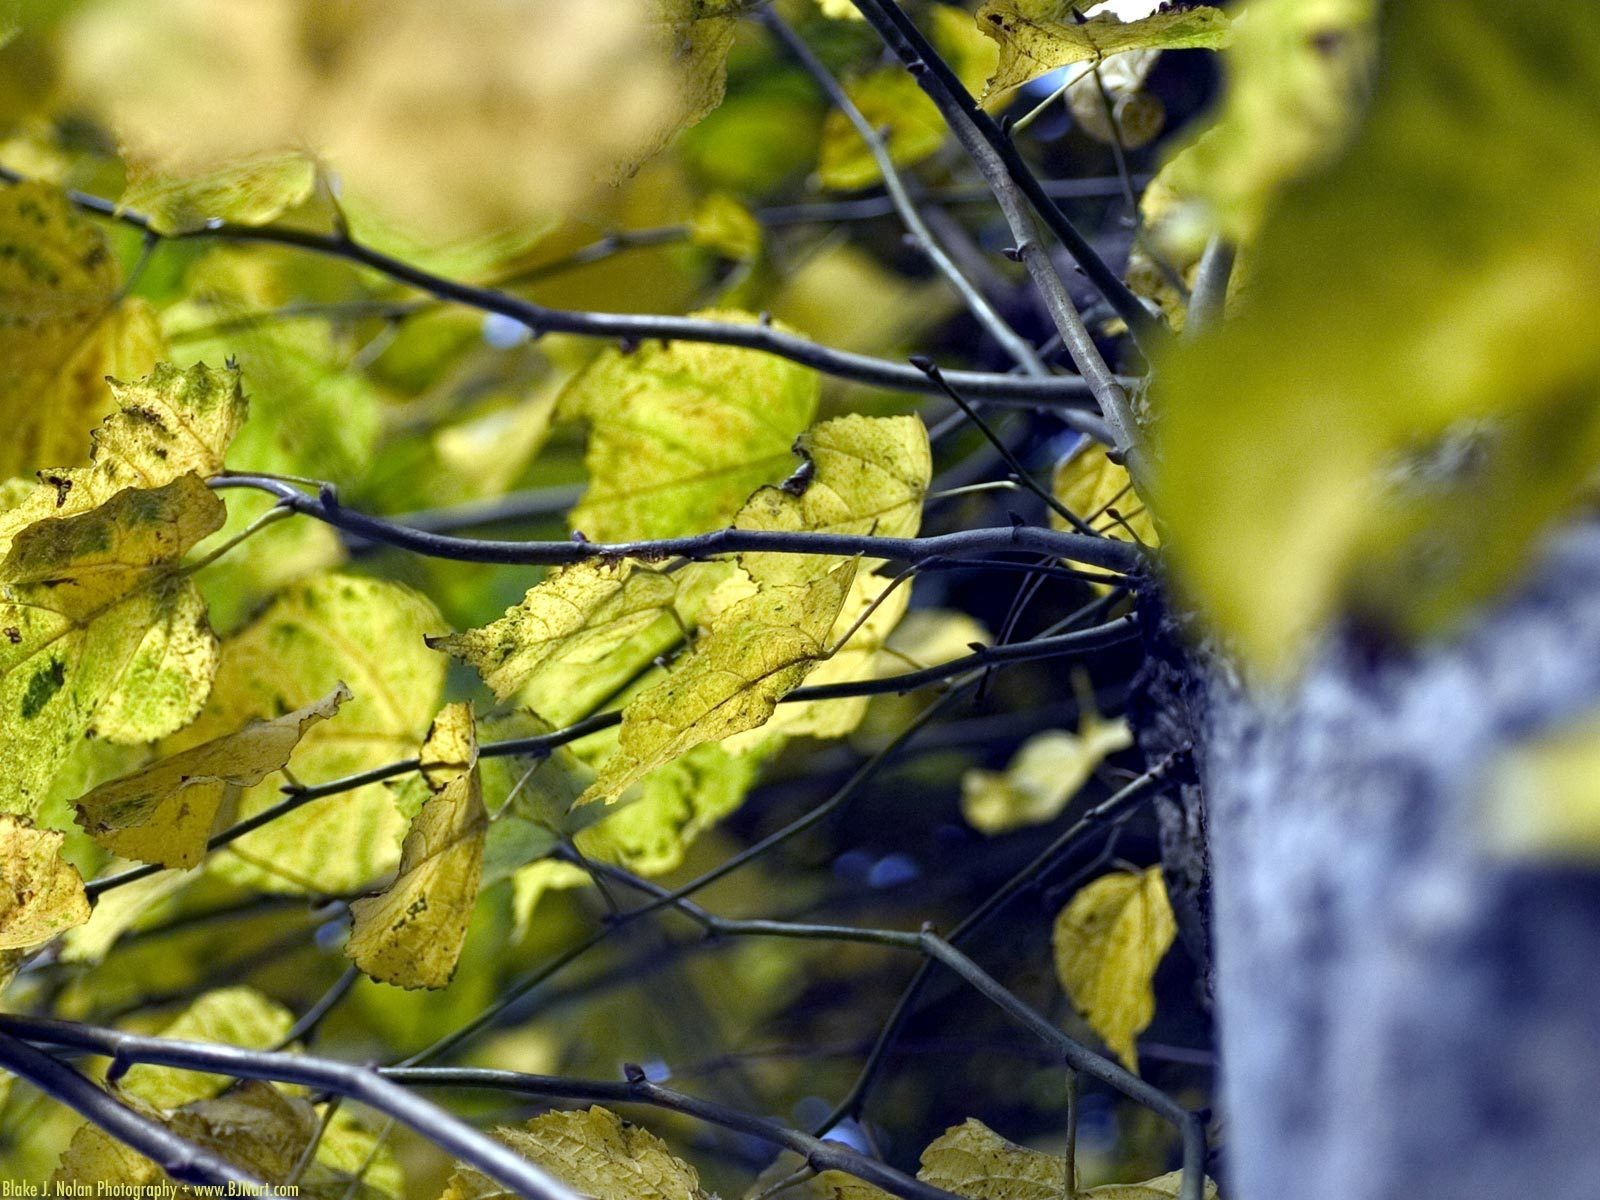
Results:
[531, 882]
[63, 329]
[94, 1159]
[1099, 491]
[1364, 437]
[163, 813]
[891, 100]
[577, 615]
[1108, 942]
[369, 633]
[237, 1016]
[1297, 71]
[255, 1126]
[957, 38]
[759, 650]
[41, 894]
[594, 1152]
[1036, 36]
[681, 434]
[166, 425]
[1042, 779]
[411, 933]
[255, 191]
[974, 1161]
[100, 631]
[722, 224]
[840, 10]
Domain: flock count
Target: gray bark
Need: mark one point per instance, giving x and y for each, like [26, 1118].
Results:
[1403, 1013]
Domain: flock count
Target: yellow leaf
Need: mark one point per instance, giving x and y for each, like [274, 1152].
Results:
[757, 652]
[1099, 491]
[1296, 73]
[1361, 436]
[974, 1161]
[41, 894]
[1042, 779]
[722, 224]
[100, 630]
[840, 10]
[94, 1158]
[891, 100]
[237, 1016]
[576, 616]
[163, 813]
[369, 633]
[680, 434]
[1036, 36]
[957, 38]
[255, 1126]
[411, 933]
[255, 191]
[63, 329]
[1109, 940]
[594, 1152]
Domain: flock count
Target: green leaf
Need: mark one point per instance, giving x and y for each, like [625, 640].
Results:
[236, 1016]
[1369, 432]
[1108, 943]
[256, 191]
[891, 100]
[411, 933]
[163, 812]
[680, 434]
[63, 328]
[41, 894]
[595, 1152]
[722, 224]
[1036, 36]
[319, 631]
[255, 1126]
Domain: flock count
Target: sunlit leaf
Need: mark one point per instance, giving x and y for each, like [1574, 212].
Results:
[254, 192]
[722, 224]
[576, 616]
[41, 894]
[891, 100]
[411, 933]
[530, 883]
[681, 434]
[235, 1016]
[63, 329]
[369, 633]
[163, 813]
[1036, 36]
[595, 1152]
[1109, 940]
[839, 10]
[1398, 451]
[1539, 795]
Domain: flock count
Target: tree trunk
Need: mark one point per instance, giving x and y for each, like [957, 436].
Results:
[1403, 1014]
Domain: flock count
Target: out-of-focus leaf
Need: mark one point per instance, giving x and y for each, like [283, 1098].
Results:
[1042, 779]
[411, 933]
[94, 1158]
[163, 813]
[1296, 74]
[530, 883]
[41, 894]
[115, 913]
[1540, 796]
[839, 10]
[722, 224]
[595, 1152]
[1109, 940]
[236, 1016]
[255, 191]
[369, 633]
[959, 41]
[680, 434]
[1378, 438]
[891, 100]
[63, 329]
[1036, 36]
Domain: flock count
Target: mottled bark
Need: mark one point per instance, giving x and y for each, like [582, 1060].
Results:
[1404, 1014]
